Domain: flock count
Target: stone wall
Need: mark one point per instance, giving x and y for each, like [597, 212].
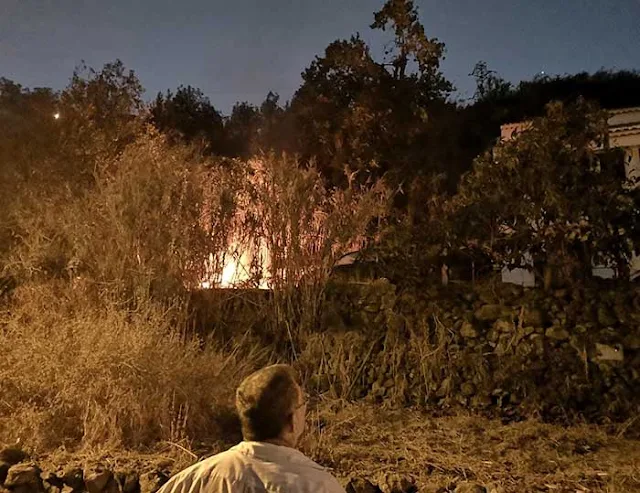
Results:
[497, 348]
[18, 474]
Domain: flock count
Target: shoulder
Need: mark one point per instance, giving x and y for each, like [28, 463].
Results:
[327, 483]
[226, 467]
[318, 478]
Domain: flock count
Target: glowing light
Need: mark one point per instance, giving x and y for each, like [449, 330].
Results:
[56, 116]
[240, 266]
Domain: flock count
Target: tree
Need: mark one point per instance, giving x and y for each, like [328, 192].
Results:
[372, 116]
[29, 129]
[242, 128]
[188, 115]
[28, 141]
[497, 101]
[334, 108]
[555, 192]
[99, 116]
[52, 149]
[274, 130]
[489, 86]
[411, 44]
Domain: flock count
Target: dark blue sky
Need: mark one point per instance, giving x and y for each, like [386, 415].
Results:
[240, 49]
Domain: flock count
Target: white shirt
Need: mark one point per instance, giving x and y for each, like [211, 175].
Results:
[254, 467]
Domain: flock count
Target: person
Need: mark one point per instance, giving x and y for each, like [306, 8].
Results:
[271, 406]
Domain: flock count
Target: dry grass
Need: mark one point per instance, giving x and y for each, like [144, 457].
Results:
[104, 377]
[380, 444]
[436, 454]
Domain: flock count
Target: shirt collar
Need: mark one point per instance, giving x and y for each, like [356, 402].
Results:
[269, 452]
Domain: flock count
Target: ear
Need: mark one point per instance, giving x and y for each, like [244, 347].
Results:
[289, 425]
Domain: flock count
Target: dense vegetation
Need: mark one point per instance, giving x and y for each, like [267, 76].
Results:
[113, 211]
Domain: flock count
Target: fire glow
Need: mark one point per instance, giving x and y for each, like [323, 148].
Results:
[241, 267]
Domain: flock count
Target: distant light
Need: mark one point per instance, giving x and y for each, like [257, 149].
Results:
[56, 115]
[542, 72]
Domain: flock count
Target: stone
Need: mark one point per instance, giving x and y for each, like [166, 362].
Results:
[503, 326]
[605, 352]
[557, 333]
[112, 486]
[489, 313]
[560, 293]
[73, 477]
[466, 487]
[605, 317]
[468, 331]
[532, 317]
[129, 481]
[13, 455]
[152, 481]
[468, 389]
[25, 477]
[359, 485]
[96, 479]
[53, 480]
[397, 483]
[632, 342]
[4, 469]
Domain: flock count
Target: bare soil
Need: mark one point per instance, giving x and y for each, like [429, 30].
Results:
[438, 454]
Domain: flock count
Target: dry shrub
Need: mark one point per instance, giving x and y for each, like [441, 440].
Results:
[95, 347]
[293, 228]
[76, 374]
[133, 233]
[398, 368]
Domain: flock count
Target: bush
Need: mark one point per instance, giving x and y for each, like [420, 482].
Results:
[98, 351]
[77, 374]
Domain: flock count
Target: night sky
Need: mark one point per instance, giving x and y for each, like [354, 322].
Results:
[240, 49]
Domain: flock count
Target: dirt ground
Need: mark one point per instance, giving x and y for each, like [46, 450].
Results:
[440, 454]
[399, 448]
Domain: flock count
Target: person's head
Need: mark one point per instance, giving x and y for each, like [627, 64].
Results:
[272, 406]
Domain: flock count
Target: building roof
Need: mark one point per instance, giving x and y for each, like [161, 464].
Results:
[623, 129]
[625, 110]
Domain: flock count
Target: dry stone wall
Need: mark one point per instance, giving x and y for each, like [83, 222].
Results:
[496, 348]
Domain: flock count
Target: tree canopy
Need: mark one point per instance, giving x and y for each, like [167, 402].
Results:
[555, 192]
[357, 117]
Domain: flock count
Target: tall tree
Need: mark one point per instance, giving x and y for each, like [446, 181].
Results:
[412, 46]
[242, 128]
[374, 116]
[189, 116]
[99, 116]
